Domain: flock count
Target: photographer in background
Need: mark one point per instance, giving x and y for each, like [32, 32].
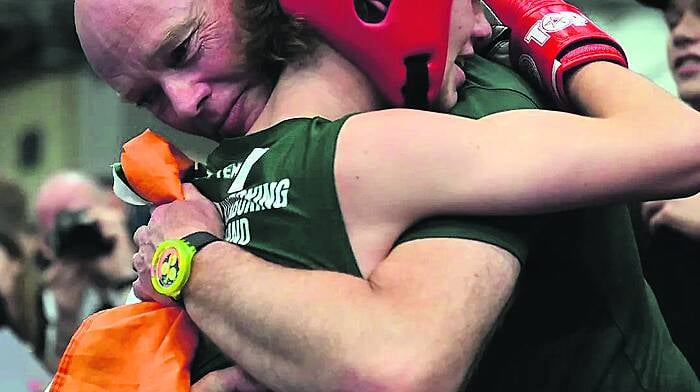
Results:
[86, 251]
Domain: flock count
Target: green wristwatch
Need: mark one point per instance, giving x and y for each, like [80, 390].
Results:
[172, 262]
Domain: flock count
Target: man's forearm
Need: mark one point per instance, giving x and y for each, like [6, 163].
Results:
[261, 315]
[318, 330]
[605, 90]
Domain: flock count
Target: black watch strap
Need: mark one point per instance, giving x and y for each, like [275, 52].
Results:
[200, 239]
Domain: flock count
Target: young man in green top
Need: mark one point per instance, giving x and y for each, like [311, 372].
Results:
[397, 329]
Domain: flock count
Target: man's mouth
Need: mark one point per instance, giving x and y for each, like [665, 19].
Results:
[687, 66]
[231, 118]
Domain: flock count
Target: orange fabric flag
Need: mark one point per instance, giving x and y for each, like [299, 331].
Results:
[143, 347]
[154, 167]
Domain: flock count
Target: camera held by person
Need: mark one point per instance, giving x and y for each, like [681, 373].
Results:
[86, 253]
[77, 236]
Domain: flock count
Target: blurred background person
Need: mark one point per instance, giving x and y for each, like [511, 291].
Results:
[20, 302]
[683, 20]
[22, 324]
[86, 252]
[12, 252]
[11, 267]
[669, 230]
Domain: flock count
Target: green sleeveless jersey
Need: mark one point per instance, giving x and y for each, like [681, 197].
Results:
[582, 317]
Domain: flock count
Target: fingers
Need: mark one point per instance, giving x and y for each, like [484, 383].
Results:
[143, 290]
[226, 380]
[191, 192]
[651, 208]
[140, 235]
[158, 213]
[138, 263]
[141, 261]
[655, 222]
[139, 292]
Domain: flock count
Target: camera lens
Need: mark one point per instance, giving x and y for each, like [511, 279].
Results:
[77, 236]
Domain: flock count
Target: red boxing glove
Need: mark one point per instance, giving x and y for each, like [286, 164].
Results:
[551, 38]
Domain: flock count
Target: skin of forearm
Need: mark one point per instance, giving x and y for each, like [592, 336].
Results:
[606, 90]
[268, 329]
[322, 331]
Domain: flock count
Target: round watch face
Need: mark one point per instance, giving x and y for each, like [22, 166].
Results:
[167, 268]
[170, 267]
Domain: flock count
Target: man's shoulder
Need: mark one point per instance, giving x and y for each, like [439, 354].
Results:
[486, 74]
[287, 135]
[492, 88]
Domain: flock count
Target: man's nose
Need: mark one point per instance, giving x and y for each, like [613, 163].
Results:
[482, 27]
[687, 30]
[681, 41]
[186, 96]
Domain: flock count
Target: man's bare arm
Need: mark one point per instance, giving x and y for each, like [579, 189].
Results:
[644, 144]
[413, 325]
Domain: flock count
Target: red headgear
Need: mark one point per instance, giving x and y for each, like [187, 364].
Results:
[405, 54]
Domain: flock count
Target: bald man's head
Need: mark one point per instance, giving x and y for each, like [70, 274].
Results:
[180, 59]
[71, 191]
